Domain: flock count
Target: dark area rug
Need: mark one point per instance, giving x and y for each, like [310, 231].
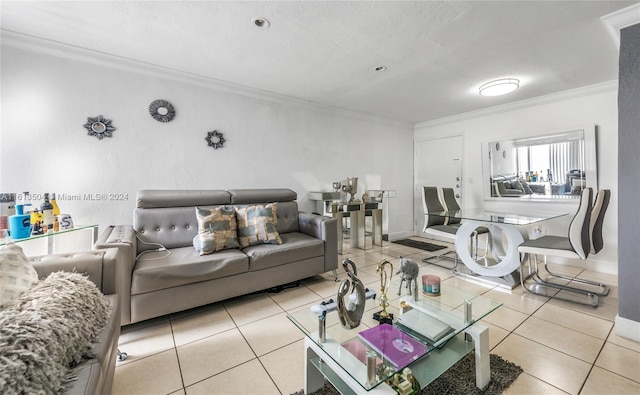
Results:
[460, 379]
[419, 244]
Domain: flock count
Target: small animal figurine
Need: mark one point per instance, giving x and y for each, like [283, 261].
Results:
[408, 272]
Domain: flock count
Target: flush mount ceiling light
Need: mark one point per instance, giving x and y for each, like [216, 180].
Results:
[261, 22]
[499, 87]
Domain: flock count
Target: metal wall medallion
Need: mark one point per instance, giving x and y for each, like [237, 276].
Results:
[162, 110]
[99, 127]
[215, 139]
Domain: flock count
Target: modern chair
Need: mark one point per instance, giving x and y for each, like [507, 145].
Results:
[600, 205]
[435, 225]
[448, 198]
[576, 245]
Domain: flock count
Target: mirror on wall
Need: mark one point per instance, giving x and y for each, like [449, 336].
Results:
[551, 166]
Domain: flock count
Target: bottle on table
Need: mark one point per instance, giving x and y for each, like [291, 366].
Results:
[47, 211]
[54, 203]
[36, 216]
[19, 224]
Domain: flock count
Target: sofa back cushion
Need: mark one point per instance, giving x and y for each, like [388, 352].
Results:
[168, 218]
[181, 198]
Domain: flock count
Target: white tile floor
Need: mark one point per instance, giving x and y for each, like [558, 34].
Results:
[248, 346]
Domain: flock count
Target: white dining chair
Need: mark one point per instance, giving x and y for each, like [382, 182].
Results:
[448, 199]
[576, 245]
[600, 205]
[435, 225]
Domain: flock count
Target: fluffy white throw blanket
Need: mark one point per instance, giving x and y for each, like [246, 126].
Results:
[47, 331]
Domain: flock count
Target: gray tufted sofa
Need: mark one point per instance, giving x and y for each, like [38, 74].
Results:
[94, 376]
[152, 284]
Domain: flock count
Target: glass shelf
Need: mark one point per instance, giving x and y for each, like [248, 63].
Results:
[51, 235]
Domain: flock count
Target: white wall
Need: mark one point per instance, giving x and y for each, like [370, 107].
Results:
[271, 141]
[566, 111]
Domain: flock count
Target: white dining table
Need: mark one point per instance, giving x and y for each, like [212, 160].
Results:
[506, 232]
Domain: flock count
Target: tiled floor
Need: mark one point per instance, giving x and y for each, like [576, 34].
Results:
[248, 346]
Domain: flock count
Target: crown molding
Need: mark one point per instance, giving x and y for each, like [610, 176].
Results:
[604, 87]
[620, 19]
[58, 49]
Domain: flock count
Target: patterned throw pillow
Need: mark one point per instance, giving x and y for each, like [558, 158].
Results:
[16, 273]
[258, 224]
[217, 229]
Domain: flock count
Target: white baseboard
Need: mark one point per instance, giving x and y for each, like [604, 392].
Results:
[627, 328]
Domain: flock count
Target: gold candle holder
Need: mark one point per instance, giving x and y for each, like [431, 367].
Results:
[385, 278]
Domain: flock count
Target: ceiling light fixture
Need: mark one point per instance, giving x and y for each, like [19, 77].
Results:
[499, 87]
[380, 68]
[261, 22]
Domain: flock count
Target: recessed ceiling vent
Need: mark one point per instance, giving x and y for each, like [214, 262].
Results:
[261, 22]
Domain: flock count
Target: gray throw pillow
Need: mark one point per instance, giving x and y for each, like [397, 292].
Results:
[217, 229]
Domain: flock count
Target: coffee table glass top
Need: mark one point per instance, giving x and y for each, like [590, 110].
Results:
[349, 350]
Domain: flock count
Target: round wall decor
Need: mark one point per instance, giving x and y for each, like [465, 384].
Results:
[215, 139]
[162, 110]
[99, 127]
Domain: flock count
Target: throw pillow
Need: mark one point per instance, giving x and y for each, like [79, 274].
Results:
[258, 224]
[16, 273]
[216, 229]
[48, 331]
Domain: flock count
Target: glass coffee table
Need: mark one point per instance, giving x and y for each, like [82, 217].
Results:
[342, 356]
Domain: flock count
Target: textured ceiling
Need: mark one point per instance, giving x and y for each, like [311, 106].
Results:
[436, 52]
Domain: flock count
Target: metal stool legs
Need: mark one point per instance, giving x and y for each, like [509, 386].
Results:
[551, 290]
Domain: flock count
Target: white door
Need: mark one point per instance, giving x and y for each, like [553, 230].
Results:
[438, 163]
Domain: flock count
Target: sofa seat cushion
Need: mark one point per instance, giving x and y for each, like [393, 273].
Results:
[157, 270]
[295, 247]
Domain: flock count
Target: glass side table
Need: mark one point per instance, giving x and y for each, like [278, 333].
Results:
[50, 237]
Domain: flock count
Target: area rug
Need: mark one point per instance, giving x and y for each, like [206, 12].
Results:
[460, 379]
[419, 244]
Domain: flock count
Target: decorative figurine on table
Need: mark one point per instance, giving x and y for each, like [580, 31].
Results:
[383, 316]
[408, 272]
[404, 383]
[350, 312]
[351, 188]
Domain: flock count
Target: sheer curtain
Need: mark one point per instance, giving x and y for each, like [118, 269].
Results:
[564, 157]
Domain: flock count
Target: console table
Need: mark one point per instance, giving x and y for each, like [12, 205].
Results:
[328, 358]
[357, 213]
